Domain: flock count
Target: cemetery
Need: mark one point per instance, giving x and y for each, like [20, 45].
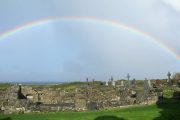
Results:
[89, 96]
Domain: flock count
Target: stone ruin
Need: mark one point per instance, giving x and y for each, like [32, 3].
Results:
[20, 99]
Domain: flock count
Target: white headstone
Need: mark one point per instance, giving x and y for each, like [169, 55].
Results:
[122, 83]
[149, 83]
[113, 83]
[107, 83]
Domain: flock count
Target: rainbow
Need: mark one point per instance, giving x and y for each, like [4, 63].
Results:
[112, 23]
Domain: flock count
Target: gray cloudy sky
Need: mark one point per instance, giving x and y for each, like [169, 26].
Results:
[73, 50]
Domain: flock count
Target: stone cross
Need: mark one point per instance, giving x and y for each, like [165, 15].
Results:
[87, 80]
[128, 77]
[169, 79]
[146, 88]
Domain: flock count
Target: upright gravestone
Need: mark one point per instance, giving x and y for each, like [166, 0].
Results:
[128, 77]
[146, 90]
[146, 85]
[169, 79]
[107, 83]
[113, 83]
[87, 80]
[122, 83]
[149, 83]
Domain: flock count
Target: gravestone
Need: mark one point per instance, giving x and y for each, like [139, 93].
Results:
[122, 83]
[146, 88]
[87, 81]
[128, 77]
[146, 84]
[113, 83]
[169, 79]
[149, 83]
[107, 83]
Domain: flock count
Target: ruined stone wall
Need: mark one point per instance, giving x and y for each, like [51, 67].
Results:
[82, 98]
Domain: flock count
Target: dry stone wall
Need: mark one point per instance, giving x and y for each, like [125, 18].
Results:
[80, 99]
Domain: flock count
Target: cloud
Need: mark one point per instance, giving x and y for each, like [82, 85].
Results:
[72, 50]
[175, 4]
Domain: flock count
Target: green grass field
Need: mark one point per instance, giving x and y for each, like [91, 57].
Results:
[4, 86]
[169, 110]
[67, 86]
